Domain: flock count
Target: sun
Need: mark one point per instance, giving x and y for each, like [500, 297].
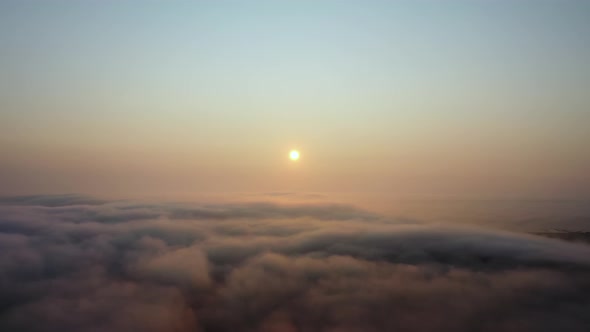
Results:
[294, 155]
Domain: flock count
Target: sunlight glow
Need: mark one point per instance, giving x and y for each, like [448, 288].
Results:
[294, 155]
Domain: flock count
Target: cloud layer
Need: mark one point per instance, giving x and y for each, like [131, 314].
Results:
[81, 264]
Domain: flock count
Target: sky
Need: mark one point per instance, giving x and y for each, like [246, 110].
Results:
[469, 99]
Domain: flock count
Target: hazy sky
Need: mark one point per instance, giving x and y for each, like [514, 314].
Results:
[428, 98]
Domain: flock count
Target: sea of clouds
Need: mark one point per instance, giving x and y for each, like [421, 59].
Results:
[72, 263]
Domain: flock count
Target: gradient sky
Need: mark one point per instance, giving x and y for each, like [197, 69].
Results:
[429, 98]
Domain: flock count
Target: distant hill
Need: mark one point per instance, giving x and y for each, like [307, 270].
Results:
[574, 236]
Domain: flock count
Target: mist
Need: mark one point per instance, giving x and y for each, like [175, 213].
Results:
[79, 263]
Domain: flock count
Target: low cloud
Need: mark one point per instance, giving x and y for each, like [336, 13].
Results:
[51, 200]
[185, 267]
[82, 264]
